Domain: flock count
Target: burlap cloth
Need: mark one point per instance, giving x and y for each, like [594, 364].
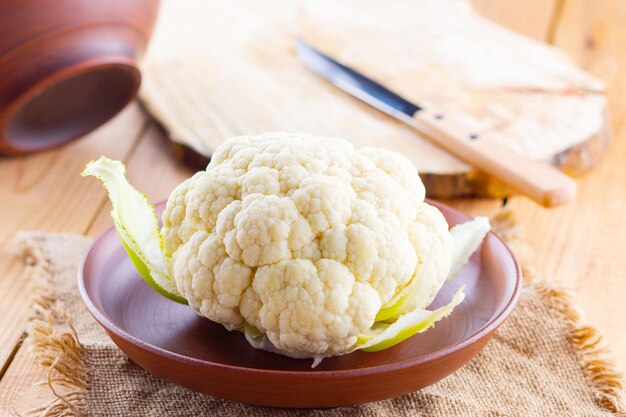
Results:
[541, 362]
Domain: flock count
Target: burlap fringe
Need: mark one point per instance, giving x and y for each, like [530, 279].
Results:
[603, 379]
[54, 340]
[58, 349]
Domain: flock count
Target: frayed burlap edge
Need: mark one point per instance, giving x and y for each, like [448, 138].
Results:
[603, 379]
[53, 338]
[58, 349]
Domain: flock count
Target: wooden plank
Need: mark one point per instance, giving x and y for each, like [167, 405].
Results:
[475, 206]
[46, 192]
[531, 17]
[20, 390]
[583, 244]
[150, 155]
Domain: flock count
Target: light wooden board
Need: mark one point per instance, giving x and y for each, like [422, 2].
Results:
[535, 18]
[588, 258]
[439, 53]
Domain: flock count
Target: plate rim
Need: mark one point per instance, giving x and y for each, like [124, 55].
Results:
[485, 331]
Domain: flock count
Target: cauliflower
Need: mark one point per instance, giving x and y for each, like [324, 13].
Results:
[308, 246]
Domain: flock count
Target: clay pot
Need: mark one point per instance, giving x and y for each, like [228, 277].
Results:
[67, 66]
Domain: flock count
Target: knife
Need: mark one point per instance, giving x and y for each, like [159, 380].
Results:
[541, 182]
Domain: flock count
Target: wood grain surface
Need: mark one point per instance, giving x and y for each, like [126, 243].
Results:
[515, 92]
[580, 245]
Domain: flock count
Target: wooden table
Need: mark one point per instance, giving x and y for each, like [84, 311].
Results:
[582, 245]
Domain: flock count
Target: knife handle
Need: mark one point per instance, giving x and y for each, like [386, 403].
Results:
[541, 182]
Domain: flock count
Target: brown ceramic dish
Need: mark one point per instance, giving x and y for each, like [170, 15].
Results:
[171, 341]
[67, 66]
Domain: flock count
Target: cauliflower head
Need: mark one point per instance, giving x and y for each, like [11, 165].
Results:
[305, 239]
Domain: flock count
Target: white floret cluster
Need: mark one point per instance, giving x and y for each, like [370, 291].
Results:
[303, 238]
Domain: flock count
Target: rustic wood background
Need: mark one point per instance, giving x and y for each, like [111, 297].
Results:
[581, 245]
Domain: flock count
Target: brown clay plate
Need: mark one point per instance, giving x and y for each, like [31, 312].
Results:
[171, 341]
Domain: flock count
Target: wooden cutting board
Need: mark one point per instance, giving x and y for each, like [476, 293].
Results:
[219, 68]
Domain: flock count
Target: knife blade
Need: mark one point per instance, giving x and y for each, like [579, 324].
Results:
[539, 181]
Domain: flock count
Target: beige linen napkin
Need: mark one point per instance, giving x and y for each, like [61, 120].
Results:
[541, 362]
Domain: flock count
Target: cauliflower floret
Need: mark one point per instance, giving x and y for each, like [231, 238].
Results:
[313, 307]
[303, 238]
